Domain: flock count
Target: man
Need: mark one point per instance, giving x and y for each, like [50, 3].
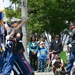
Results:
[15, 52]
[72, 49]
[56, 46]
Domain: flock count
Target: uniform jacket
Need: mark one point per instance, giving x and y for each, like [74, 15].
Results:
[18, 46]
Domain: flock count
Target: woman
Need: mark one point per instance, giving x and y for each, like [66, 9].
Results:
[33, 48]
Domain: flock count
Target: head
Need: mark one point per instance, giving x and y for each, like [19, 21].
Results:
[33, 38]
[58, 59]
[41, 38]
[44, 38]
[56, 37]
[43, 45]
[56, 56]
[72, 26]
[14, 24]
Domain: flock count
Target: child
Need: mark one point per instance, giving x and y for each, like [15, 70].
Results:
[57, 63]
[42, 57]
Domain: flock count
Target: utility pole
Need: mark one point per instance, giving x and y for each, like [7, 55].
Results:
[24, 27]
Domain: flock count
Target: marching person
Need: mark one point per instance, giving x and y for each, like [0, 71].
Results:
[72, 50]
[2, 46]
[15, 52]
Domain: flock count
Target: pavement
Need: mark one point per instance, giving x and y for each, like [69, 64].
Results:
[41, 73]
[44, 73]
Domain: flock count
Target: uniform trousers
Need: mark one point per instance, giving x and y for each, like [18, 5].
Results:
[20, 59]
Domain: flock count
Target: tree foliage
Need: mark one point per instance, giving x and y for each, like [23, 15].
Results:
[50, 15]
[10, 13]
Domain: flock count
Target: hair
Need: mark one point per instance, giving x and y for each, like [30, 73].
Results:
[58, 58]
[56, 36]
[32, 37]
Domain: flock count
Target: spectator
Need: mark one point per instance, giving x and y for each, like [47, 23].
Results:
[33, 48]
[56, 46]
[46, 43]
[57, 63]
[42, 57]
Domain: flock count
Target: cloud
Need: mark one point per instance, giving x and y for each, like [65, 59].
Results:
[4, 4]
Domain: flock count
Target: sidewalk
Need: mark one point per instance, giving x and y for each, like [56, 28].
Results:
[44, 73]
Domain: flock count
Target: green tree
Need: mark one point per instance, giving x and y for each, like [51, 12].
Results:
[49, 15]
[10, 13]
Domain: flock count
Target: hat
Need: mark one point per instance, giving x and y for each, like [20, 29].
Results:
[10, 23]
[15, 19]
[72, 24]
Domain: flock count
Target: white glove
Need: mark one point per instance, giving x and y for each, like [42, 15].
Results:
[70, 45]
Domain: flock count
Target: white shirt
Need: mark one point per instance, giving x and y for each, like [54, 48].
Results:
[54, 60]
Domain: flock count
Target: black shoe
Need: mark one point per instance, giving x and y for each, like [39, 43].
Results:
[32, 74]
[65, 72]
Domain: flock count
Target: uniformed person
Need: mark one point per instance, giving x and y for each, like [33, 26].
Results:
[15, 53]
[72, 49]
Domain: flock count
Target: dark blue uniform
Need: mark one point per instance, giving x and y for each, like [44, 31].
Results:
[72, 49]
[72, 52]
[15, 54]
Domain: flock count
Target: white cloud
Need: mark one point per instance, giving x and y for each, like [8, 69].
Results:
[4, 4]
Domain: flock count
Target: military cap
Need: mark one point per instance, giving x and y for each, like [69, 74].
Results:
[72, 24]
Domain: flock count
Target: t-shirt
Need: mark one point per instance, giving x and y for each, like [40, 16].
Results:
[56, 60]
[56, 63]
[42, 53]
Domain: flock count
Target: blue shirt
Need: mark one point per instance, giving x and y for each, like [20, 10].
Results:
[42, 53]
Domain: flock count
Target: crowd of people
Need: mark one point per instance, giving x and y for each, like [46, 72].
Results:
[43, 53]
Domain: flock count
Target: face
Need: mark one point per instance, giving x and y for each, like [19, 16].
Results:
[15, 24]
[59, 60]
[33, 38]
[43, 45]
[72, 27]
[56, 38]
[56, 56]
[41, 39]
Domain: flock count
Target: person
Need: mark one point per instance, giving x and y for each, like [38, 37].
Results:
[57, 63]
[15, 53]
[42, 57]
[56, 47]
[2, 46]
[33, 49]
[46, 42]
[72, 50]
